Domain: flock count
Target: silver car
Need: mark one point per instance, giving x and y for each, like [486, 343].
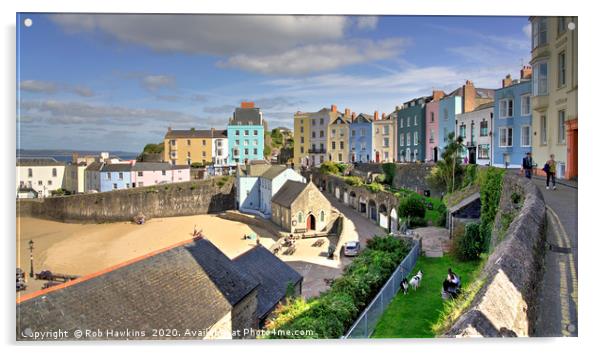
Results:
[351, 248]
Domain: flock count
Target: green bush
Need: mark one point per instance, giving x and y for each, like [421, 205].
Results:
[412, 206]
[418, 222]
[331, 313]
[389, 171]
[470, 175]
[353, 180]
[329, 168]
[342, 167]
[469, 246]
[491, 190]
[375, 187]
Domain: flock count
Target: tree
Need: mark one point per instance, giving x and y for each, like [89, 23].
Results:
[449, 167]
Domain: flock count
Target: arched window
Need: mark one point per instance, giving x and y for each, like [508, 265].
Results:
[322, 216]
[300, 217]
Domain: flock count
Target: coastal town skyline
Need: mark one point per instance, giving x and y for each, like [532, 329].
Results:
[113, 88]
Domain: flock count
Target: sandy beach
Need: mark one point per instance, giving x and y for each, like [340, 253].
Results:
[81, 249]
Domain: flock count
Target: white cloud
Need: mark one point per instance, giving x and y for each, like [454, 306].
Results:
[49, 87]
[210, 34]
[367, 22]
[156, 82]
[318, 57]
[527, 30]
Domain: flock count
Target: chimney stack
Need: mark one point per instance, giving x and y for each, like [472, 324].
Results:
[383, 116]
[470, 95]
[333, 108]
[347, 112]
[169, 129]
[437, 95]
[526, 72]
[507, 81]
[375, 115]
[353, 116]
[247, 104]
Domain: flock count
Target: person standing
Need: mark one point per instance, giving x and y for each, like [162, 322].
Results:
[528, 165]
[550, 170]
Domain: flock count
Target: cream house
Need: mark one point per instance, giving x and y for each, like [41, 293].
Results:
[43, 175]
[554, 102]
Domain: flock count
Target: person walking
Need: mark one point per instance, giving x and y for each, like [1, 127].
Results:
[528, 165]
[550, 169]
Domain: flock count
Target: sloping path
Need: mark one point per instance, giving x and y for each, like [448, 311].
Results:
[558, 300]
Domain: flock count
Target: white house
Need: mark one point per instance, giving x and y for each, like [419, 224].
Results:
[43, 175]
[476, 130]
[256, 184]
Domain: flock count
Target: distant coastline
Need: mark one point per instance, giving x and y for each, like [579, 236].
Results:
[65, 155]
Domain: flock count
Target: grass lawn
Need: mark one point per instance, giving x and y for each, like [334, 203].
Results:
[412, 315]
[432, 215]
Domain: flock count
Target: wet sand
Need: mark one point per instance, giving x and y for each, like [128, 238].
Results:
[80, 249]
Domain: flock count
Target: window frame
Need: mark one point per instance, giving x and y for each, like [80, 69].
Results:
[522, 135]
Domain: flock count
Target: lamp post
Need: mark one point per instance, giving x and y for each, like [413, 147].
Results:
[31, 259]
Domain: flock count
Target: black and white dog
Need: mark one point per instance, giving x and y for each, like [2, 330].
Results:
[416, 279]
[404, 285]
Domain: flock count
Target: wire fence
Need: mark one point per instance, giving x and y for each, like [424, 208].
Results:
[364, 326]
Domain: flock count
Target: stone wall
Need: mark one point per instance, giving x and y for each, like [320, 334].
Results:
[244, 317]
[505, 306]
[413, 176]
[177, 199]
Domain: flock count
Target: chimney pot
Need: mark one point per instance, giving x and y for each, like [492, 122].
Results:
[383, 116]
[375, 115]
[347, 112]
[247, 104]
[353, 116]
[333, 108]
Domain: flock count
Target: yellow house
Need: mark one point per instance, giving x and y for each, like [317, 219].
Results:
[554, 92]
[302, 139]
[185, 147]
[338, 139]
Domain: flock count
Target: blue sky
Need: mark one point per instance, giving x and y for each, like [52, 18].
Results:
[116, 82]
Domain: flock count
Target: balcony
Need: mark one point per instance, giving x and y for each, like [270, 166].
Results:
[317, 151]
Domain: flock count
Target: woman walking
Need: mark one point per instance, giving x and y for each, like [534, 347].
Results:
[550, 170]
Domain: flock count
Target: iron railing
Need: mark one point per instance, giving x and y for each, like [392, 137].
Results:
[365, 324]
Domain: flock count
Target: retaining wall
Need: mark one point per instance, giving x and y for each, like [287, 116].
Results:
[177, 199]
[506, 305]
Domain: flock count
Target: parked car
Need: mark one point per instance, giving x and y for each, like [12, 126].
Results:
[351, 248]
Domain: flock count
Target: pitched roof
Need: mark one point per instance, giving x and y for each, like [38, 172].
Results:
[196, 133]
[192, 285]
[39, 162]
[485, 93]
[364, 117]
[272, 273]
[273, 172]
[116, 167]
[152, 166]
[246, 116]
[94, 166]
[288, 193]
[253, 169]
[485, 106]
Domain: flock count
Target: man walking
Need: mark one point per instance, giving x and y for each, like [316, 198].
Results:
[528, 165]
[550, 170]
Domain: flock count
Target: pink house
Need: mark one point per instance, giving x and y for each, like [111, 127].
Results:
[152, 173]
[432, 127]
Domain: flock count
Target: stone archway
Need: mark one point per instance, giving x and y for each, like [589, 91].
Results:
[337, 192]
[372, 211]
[362, 206]
[393, 220]
[383, 216]
[352, 200]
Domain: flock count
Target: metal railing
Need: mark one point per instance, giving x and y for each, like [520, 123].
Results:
[366, 323]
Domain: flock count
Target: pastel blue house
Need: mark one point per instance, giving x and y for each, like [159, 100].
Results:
[256, 184]
[449, 106]
[512, 123]
[246, 134]
[115, 176]
[360, 139]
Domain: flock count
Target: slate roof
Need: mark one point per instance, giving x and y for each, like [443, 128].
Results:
[246, 116]
[94, 166]
[273, 274]
[365, 118]
[253, 170]
[116, 167]
[485, 93]
[39, 162]
[273, 172]
[190, 286]
[485, 106]
[196, 133]
[288, 193]
[152, 166]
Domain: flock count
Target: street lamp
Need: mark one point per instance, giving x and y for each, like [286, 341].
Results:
[31, 259]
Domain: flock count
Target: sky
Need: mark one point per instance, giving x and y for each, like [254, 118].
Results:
[117, 82]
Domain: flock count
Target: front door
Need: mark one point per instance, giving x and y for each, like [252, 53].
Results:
[377, 157]
[311, 222]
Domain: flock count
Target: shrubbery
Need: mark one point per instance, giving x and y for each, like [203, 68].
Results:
[491, 189]
[375, 187]
[389, 171]
[412, 206]
[330, 314]
[469, 246]
[329, 168]
[353, 180]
